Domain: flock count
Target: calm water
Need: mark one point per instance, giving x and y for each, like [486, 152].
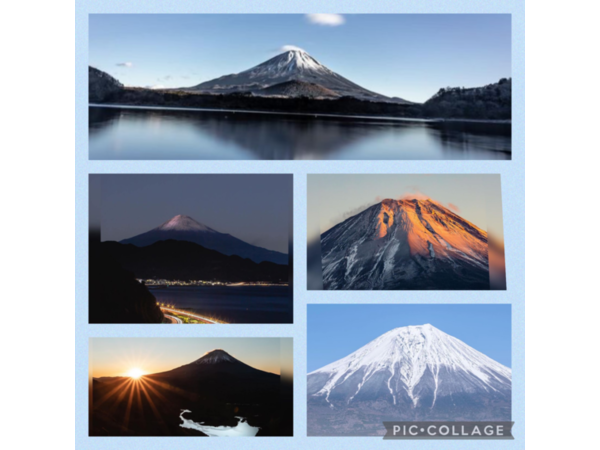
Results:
[158, 134]
[234, 304]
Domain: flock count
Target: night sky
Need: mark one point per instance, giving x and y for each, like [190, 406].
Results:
[254, 208]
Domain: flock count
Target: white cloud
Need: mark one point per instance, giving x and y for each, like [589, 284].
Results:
[287, 48]
[125, 64]
[156, 86]
[330, 20]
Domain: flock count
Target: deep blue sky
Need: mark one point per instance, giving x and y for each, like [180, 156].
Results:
[335, 331]
[406, 55]
[254, 208]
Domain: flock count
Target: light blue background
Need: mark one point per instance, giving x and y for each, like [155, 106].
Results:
[513, 185]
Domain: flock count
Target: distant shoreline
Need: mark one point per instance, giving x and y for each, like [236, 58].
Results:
[307, 114]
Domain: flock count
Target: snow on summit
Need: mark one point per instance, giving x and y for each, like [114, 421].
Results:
[292, 65]
[216, 356]
[184, 223]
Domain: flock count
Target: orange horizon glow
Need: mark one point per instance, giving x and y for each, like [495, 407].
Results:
[135, 358]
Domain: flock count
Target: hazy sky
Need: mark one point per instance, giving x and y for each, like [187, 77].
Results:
[335, 331]
[406, 55]
[117, 356]
[254, 208]
[334, 198]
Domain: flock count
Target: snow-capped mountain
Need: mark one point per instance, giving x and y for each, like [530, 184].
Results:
[213, 368]
[216, 356]
[405, 244]
[184, 228]
[293, 65]
[409, 373]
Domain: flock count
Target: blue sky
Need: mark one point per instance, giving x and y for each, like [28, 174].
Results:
[335, 331]
[406, 55]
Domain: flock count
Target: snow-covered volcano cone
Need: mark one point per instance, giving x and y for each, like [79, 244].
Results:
[405, 244]
[293, 65]
[409, 373]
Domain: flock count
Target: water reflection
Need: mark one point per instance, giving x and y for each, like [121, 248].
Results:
[117, 133]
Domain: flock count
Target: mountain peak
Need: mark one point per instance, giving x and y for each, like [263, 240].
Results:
[414, 353]
[216, 356]
[291, 65]
[405, 244]
[294, 61]
[182, 222]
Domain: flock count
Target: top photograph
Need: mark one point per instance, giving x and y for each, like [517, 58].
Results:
[300, 87]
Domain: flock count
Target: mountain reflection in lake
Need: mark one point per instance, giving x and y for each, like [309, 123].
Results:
[167, 134]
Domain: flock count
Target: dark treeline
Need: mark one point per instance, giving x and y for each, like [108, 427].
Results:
[243, 101]
[491, 102]
[488, 102]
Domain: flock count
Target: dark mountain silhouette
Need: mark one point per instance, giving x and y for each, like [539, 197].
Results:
[184, 228]
[184, 260]
[215, 389]
[115, 296]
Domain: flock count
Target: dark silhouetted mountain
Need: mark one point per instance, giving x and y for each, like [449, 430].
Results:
[115, 296]
[407, 374]
[102, 87]
[405, 244]
[184, 260]
[216, 389]
[293, 65]
[219, 375]
[493, 101]
[184, 228]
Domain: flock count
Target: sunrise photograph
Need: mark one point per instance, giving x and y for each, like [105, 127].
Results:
[215, 387]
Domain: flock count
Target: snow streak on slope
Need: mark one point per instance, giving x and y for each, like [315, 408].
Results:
[293, 65]
[414, 361]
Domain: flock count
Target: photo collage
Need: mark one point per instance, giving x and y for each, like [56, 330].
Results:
[324, 203]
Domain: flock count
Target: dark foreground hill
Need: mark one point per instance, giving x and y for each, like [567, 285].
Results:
[102, 87]
[115, 296]
[217, 390]
[183, 260]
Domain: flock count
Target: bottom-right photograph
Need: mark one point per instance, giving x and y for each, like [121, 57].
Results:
[376, 363]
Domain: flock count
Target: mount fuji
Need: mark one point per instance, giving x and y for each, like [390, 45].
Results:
[405, 244]
[184, 228]
[292, 73]
[409, 373]
[214, 392]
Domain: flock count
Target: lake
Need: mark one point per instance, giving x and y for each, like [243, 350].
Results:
[233, 304]
[135, 133]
